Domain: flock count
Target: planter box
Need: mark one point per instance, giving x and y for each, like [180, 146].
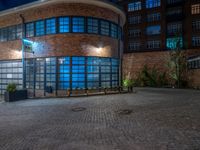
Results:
[16, 96]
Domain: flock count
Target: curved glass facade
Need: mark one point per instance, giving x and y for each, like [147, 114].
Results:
[61, 25]
[63, 73]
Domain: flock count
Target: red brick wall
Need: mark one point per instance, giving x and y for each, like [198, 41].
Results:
[134, 62]
[62, 44]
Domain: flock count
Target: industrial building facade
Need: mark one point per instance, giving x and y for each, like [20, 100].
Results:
[67, 45]
[154, 27]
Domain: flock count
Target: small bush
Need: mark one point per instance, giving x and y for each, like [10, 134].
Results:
[11, 87]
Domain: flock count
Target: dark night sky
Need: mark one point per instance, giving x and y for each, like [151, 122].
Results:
[6, 4]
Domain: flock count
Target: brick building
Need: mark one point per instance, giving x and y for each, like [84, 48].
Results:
[67, 44]
[154, 27]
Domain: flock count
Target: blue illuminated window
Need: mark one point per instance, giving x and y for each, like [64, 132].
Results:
[105, 29]
[3, 34]
[153, 3]
[134, 6]
[154, 30]
[64, 73]
[64, 23]
[51, 26]
[30, 30]
[174, 43]
[78, 24]
[113, 30]
[92, 25]
[12, 33]
[40, 28]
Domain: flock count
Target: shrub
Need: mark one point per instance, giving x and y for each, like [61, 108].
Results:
[11, 87]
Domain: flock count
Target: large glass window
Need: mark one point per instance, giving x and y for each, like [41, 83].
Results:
[105, 72]
[40, 28]
[134, 45]
[105, 28]
[30, 30]
[51, 26]
[51, 72]
[196, 25]
[64, 24]
[39, 79]
[10, 72]
[78, 24]
[64, 73]
[153, 30]
[78, 72]
[134, 6]
[153, 3]
[92, 25]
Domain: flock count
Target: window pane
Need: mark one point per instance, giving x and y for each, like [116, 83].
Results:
[51, 26]
[93, 25]
[78, 24]
[64, 24]
[39, 28]
[105, 29]
[30, 30]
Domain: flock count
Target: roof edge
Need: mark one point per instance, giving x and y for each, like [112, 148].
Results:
[100, 3]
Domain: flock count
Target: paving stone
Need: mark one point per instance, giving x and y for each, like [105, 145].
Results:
[161, 119]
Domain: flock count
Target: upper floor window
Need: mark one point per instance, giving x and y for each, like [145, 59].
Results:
[134, 45]
[153, 30]
[51, 26]
[40, 28]
[196, 25]
[134, 32]
[105, 29]
[153, 3]
[153, 44]
[173, 28]
[64, 24]
[3, 34]
[134, 6]
[173, 1]
[113, 30]
[30, 30]
[134, 19]
[19, 31]
[195, 9]
[92, 25]
[174, 43]
[153, 17]
[12, 33]
[196, 41]
[78, 24]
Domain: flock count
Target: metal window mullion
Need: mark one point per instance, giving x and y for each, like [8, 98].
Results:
[57, 75]
[45, 75]
[70, 73]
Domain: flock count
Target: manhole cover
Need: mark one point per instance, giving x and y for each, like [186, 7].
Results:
[76, 109]
[124, 112]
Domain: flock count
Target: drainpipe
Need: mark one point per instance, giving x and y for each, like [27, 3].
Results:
[23, 51]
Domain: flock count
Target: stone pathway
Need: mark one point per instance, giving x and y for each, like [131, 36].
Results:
[161, 119]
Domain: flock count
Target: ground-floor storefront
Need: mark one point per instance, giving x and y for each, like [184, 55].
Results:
[60, 73]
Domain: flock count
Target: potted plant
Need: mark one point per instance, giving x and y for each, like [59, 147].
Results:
[12, 94]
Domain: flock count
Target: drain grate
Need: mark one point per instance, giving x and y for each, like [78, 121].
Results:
[77, 109]
[124, 112]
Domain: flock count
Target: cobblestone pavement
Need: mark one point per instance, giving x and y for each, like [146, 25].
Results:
[162, 119]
